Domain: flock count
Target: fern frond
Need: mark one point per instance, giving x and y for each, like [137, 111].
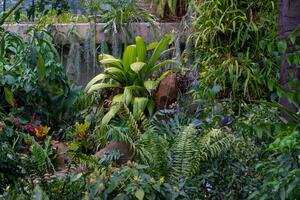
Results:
[182, 154]
[212, 144]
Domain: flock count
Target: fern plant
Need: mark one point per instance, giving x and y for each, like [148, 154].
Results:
[131, 77]
[40, 154]
[189, 150]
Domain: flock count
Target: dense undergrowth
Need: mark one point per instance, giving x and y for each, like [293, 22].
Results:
[225, 139]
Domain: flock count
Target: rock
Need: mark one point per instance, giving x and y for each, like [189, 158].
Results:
[124, 148]
[61, 158]
[166, 94]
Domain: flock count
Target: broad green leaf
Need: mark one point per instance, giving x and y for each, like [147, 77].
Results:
[282, 46]
[162, 64]
[9, 97]
[293, 36]
[119, 98]
[137, 66]
[162, 45]
[114, 109]
[151, 85]
[127, 95]
[41, 67]
[2, 47]
[97, 78]
[139, 105]
[112, 62]
[105, 56]
[129, 56]
[141, 49]
[139, 194]
[151, 107]
[152, 46]
[136, 87]
[99, 86]
[117, 74]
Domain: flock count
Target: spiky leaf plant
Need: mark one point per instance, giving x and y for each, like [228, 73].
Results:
[131, 77]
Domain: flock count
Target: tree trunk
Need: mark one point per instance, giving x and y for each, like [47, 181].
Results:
[289, 19]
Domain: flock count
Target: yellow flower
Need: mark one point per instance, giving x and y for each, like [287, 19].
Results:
[136, 178]
[152, 181]
[162, 180]
[41, 131]
[81, 129]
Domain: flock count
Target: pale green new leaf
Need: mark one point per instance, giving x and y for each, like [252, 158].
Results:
[162, 45]
[97, 78]
[141, 49]
[139, 194]
[137, 66]
[127, 95]
[151, 85]
[114, 109]
[139, 105]
[129, 56]
[152, 46]
[99, 86]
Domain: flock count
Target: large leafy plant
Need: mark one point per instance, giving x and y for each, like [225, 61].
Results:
[236, 43]
[131, 77]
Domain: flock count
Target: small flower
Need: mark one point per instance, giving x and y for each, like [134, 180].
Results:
[2, 126]
[81, 129]
[29, 128]
[41, 131]
[16, 121]
[175, 189]
[10, 157]
[162, 180]
[136, 178]
[152, 181]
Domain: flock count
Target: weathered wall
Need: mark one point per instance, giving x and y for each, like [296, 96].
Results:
[79, 51]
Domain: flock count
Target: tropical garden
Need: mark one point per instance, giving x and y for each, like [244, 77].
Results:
[150, 99]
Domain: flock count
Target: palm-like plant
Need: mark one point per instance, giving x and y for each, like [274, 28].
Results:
[131, 76]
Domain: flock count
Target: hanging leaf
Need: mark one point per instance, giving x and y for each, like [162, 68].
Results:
[99, 86]
[95, 80]
[127, 95]
[139, 194]
[41, 67]
[9, 97]
[151, 107]
[162, 45]
[139, 105]
[282, 46]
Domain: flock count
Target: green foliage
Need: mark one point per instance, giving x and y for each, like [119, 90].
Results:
[33, 76]
[41, 154]
[120, 14]
[188, 152]
[280, 168]
[131, 77]
[235, 42]
[166, 7]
